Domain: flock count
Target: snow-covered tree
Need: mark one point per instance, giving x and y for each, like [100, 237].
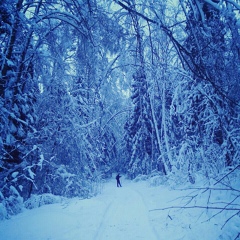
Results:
[18, 150]
[212, 59]
[139, 129]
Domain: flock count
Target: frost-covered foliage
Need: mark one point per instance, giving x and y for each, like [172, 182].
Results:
[36, 201]
[213, 43]
[18, 150]
[12, 204]
[198, 115]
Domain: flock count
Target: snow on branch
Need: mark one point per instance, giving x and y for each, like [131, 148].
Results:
[114, 115]
[13, 116]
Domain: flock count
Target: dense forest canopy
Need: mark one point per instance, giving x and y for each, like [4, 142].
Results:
[92, 87]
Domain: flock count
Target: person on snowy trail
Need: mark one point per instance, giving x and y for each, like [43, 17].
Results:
[118, 180]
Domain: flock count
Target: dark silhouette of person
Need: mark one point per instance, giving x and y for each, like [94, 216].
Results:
[118, 180]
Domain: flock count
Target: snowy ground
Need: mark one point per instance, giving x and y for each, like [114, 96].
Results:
[120, 214]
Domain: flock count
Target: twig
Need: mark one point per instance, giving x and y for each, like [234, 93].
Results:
[223, 208]
[230, 219]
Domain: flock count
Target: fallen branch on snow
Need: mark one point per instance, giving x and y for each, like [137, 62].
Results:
[190, 207]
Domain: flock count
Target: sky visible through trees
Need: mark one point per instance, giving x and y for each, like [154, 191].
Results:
[89, 88]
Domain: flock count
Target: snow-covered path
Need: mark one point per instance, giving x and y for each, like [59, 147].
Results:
[117, 213]
[126, 217]
[123, 214]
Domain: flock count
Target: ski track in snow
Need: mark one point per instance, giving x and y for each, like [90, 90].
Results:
[126, 217]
